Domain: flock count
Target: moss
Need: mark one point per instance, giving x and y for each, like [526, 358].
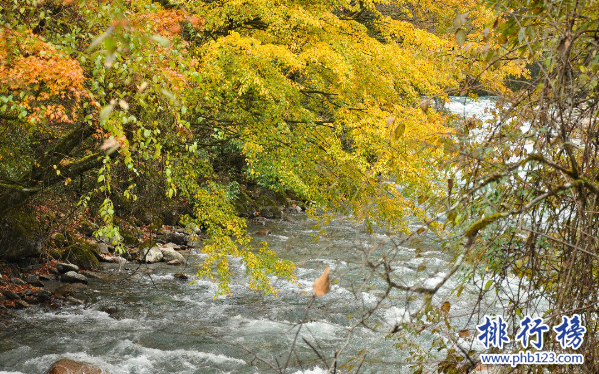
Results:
[129, 236]
[60, 240]
[264, 201]
[82, 254]
[156, 223]
[243, 203]
[20, 236]
[86, 228]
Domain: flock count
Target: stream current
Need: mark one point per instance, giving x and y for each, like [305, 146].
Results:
[166, 325]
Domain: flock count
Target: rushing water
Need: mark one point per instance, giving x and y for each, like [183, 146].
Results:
[165, 325]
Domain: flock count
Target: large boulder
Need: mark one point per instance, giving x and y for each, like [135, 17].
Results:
[20, 236]
[66, 366]
[150, 255]
[83, 254]
[172, 257]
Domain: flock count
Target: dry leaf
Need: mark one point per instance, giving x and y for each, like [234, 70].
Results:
[109, 144]
[445, 307]
[424, 105]
[464, 333]
[390, 121]
[322, 283]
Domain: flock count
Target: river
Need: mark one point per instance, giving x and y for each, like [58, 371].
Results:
[166, 325]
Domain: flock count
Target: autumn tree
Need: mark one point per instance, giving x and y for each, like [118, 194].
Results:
[330, 100]
[524, 210]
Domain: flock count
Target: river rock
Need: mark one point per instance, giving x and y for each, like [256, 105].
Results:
[103, 248]
[73, 277]
[43, 295]
[181, 276]
[21, 304]
[64, 268]
[10, 295]
[47, 277]
[173, 237]
[92, 275]
[151, 255]
[173, 246]
[67, 366]
[67, 289]
[34, 281]
[172, 257]
[73, 300]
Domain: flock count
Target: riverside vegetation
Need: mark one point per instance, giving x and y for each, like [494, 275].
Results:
[128, 120]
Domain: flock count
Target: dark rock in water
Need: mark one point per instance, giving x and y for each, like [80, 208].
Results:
[20, 236]
[173, 237]
[67, 289]
[63, 268]
[263, 232]
[43, 295]
[66, 366]
[10, 295]
[73, 277]
[110, 310]
[181, 276]
[92, 275]
[270, 212]
[21, 304]
[73, 300]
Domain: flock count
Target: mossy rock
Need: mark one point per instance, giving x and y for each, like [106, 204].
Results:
[83, 254]
[20, 236]
[128, 235]
[60, 240]
[87, 228]
[55, 254]
[264, 201]
[156, 223]
[244, 204]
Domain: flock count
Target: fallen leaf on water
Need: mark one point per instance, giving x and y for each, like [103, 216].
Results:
[322, 284]
[464, 333]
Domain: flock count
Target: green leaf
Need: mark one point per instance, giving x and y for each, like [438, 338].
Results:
[399, 130]
[460, 37]
[488, 284]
